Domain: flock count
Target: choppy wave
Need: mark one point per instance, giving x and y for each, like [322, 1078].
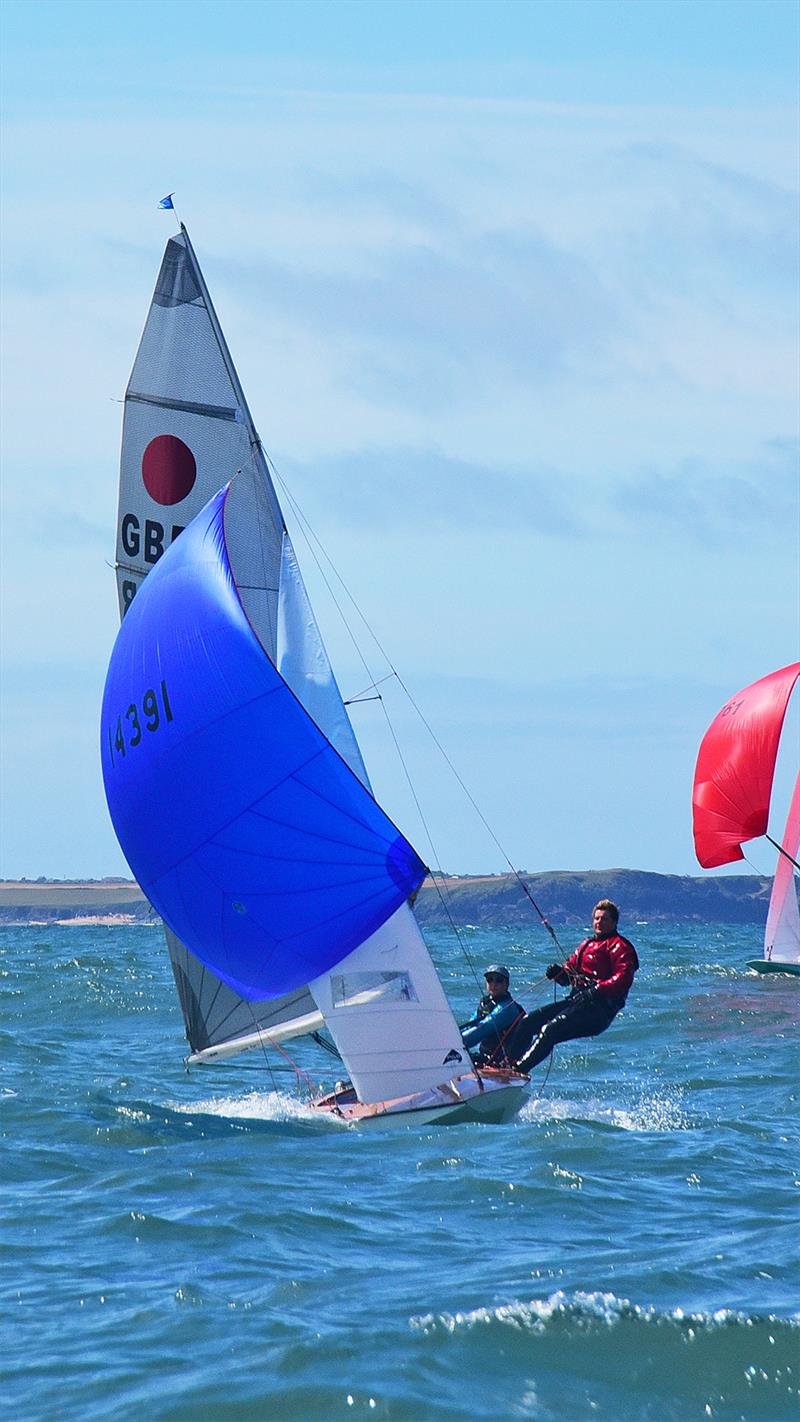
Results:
[316, 1272]
[621, 1359]
[650, 1112]
[592, 1311]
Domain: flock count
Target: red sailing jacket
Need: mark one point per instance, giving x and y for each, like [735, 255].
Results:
[611, 961]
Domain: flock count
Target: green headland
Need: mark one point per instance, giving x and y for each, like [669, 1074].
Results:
[491, 900]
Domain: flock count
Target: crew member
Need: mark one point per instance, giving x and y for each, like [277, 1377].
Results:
[599, 974]
[496, 1018]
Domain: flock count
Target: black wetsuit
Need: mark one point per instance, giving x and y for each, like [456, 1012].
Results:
[582, 1014]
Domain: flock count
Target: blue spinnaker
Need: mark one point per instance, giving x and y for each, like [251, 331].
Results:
[246, 830]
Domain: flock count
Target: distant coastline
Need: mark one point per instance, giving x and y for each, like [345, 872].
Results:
[489, 900]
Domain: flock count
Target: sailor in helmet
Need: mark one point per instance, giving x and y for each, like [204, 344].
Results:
[495, 1019]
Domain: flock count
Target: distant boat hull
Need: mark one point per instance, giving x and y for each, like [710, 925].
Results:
[493, 1097]
[766, 965]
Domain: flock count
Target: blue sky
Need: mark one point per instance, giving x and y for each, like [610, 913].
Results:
[513, 292]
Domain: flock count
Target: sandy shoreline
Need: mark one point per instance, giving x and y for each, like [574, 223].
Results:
[103, 920]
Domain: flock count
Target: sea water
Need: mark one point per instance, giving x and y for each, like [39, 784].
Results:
[182, 1246]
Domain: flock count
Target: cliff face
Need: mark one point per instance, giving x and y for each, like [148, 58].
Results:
[566, 897]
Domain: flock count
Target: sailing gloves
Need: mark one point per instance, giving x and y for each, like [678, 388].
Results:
[583, 985]
[583, 995]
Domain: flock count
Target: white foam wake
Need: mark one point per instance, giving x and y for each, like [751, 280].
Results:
[654, 1112]
[256, 1106]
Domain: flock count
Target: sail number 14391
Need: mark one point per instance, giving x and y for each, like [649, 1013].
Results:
[149, 714]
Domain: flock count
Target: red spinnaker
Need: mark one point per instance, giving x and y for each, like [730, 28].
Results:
[735, 768]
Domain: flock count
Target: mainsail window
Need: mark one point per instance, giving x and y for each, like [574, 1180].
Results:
[357, 989]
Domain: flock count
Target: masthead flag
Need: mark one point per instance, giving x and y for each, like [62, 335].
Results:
[167, 201]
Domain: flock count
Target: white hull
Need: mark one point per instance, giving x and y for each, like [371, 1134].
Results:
[490, 1096]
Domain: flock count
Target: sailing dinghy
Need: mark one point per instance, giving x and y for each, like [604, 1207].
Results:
[731, 800]
[232, 773]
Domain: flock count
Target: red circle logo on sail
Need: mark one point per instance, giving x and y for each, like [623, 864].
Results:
[168, 469]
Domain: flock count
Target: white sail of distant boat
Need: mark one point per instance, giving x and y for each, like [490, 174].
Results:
[232, 772]
[782, 933]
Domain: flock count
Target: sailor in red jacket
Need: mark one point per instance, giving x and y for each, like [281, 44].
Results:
[599, 974]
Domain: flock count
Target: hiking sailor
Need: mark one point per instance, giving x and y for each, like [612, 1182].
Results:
[496, 1018]
[599, 974]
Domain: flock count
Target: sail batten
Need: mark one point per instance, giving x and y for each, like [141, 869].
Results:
[188, 407]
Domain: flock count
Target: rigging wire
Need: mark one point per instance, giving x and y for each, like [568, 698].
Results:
[760, 872]
[551, 1058]
[302, 1076]
[782, 851]
[262, 1044]
[479, 812]
[362, 695]
[309, 535]
[443, 897]
[291, 1065]
[312, 538]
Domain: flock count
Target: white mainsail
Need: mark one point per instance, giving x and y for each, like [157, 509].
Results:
[187, 431]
